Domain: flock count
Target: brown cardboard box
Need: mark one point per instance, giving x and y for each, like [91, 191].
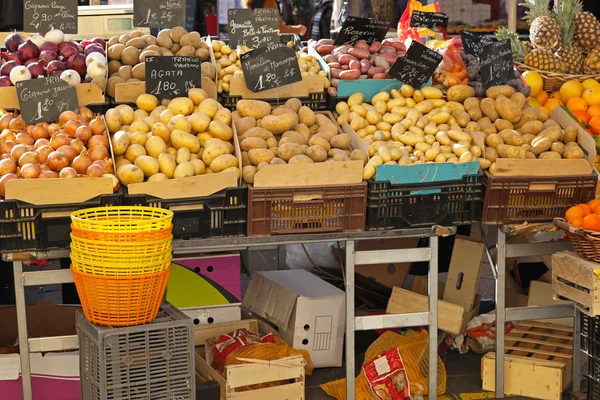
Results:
[389, 275]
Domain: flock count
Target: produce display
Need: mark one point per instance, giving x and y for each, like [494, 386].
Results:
[289, 134]
[228, 63]
[127, 53]
[586, 216]
[76, 146]
[180, 138]
[53, 54]
[418, 126]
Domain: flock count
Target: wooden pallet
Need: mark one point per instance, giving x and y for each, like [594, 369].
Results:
[538, 361]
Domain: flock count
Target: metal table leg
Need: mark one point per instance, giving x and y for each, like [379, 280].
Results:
[349, 286]
[433, 316]
[22, 325]
[500, 312]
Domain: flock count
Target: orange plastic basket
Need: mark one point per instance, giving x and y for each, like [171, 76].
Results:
[122, 219]
[117, 265]
[147, 236]
[120, 301]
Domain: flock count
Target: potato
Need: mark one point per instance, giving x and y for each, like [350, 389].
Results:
[360, 155]
[458, 135]
[248, 173]
[120, 142]
[154, 146]
[184, 170]
[293, 104]
[278, 124]
[289, 150]
[553, 133]
[460, 93]
[134, 151]
[306, 116]
[431, 92]
[473, 108]
[213, 151]
[494, 140]
[244, 124]
[220, 130]
[163, 39]
[253, 143]
[276, 161]
[149, 165]
[573, 152]
[223, 115]
[223, 162]
[147, 102]
[558, 147]
[257, 156]
[486, 126]
[300, 159]
[180, 139]
[342, 141]
[183, 155]
[491, 154]
[540, 145]
[317, 153]
[130, 55]
[180, 122]
[319, 141]
[253, 108]
[531, 127]
[550, 155]
[191, 39]
[181, 105]
[507, 109]
[167, 164]
[130, 173]
[496, 91]
[488, 108]
[462, 118]
[527, 114]
[507, 151]
[502, 124]
[511, 137]
[257, 132]
[571, 134]
[199, 122]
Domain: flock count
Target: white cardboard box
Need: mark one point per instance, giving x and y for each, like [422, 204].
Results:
[308, 311]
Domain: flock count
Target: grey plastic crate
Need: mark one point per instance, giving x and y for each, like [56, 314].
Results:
[153, 361]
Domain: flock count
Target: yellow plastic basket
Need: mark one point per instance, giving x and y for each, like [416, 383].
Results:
[122, 219]
[111, 265]
[147, 236]
[115, 249]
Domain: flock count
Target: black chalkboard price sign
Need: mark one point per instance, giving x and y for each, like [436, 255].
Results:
[44, 15]
[496, 63]
[420, 19]
[44, 99]
[417, 66]
[159, 13]
[473, 43]
[169, 77]
[270, 66]
[355, 29]
[253, 28]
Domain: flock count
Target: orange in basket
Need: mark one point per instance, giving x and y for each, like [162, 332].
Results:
[121, 300]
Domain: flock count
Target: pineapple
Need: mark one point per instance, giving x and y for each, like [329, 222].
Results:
[569, 53]
[544, 32]
[544, 60]
[591, 65]
[519, 48]
[587, 31]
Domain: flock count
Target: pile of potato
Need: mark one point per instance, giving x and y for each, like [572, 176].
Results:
[418, 126]
[127, 53]
[179, 138]
[228, 63]
[288, 134]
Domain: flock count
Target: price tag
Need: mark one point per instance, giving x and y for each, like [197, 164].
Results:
[420, 19]
[169, 77]
[496, 63]
[473, 43]
[159, 13]
[44, 15]
[44, 99]
[355, 29]
[417, 66]
[271, 66]
[253, 29]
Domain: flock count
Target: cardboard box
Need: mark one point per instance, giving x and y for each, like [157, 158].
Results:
[463, 273]
[308, 311]
[540, 294]
[389, 275]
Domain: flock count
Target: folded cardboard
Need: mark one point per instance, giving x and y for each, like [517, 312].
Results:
[540, 294]
[308, 311]
[463, 273]
[390, 275]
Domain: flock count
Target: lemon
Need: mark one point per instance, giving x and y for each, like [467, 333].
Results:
[589, 83]
[570, 89]
[534, 81]
[533, 102]
[592, 96]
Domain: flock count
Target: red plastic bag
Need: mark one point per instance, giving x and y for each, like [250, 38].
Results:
[453, 70]
[387, 376]
[220, 347]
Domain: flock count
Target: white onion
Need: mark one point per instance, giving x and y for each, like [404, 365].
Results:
[68, 38]
[95, 56]
[70, 76]
[55, 36]
[96, 69]
[19, 73]
[37, 39]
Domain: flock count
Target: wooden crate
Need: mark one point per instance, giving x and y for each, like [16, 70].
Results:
[538, 361]
[204, 332]
[573, 278]
[255, 372]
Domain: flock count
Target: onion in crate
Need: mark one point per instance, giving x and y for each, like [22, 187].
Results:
[19, 73]
[70, 76]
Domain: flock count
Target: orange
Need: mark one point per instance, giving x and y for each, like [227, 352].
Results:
[542, 97]
[555, 95]
[570, 89]
[577, 222]
[591, 222]
[586, 209]
[581, 115]
[596, 210]
[595, 124]
[575, 212]
[577, 103]
[592, 96]
[593, 111]
[548, 111]
[552, 103]
[593, 203]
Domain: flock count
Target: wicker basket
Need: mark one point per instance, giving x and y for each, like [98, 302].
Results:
[554, 80]
[586, 243]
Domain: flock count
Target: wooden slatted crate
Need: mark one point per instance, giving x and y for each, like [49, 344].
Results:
[538, 361]
[573, 278]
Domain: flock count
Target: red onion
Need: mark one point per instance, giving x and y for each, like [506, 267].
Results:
[88, 80]
[12, 56]
[31, 61]
[78, 145]
[98, 140]
[67, 51]
[30, 171]
[13, 41]
[23, 138]
[57, 161]
[94, 48]
[59, 139]
[43, 153]
[7, 67]
[79, 48]
[18, 151]
[68, 151]
[62, 45]
[7, 166]
[81, 163]
[99, 41]
[94, 170]
[99, 152]
[48, 56]
[77, 62]
[5, 81]
[48, 175]
[67, 173]
[55, 66]
[37, 69]
[29, 157]
[28, 50]
[3, 181]
[41, 142]
[49, 46]
[56, 72]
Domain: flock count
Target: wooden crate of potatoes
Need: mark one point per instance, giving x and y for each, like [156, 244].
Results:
[538, 361]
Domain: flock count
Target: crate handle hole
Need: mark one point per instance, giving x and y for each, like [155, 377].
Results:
[459, 280]
[539, 187]
[306, 327]
[211, 320]
[308, 197]
[196, 321]
[305, 341]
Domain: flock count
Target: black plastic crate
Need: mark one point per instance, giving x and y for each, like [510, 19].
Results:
[223, 214]
[590, 347]
[333, 100]
[315, 101]
[393, 206]
[27, 227]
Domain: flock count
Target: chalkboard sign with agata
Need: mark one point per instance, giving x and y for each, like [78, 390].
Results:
[44, 99]
[473, 43]
[269, 67]
[253, 28]
[355, 29]
[169, 77]
[159, 13]
[496, 64]
[420, 19]
[417, 66]
[45, 15]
